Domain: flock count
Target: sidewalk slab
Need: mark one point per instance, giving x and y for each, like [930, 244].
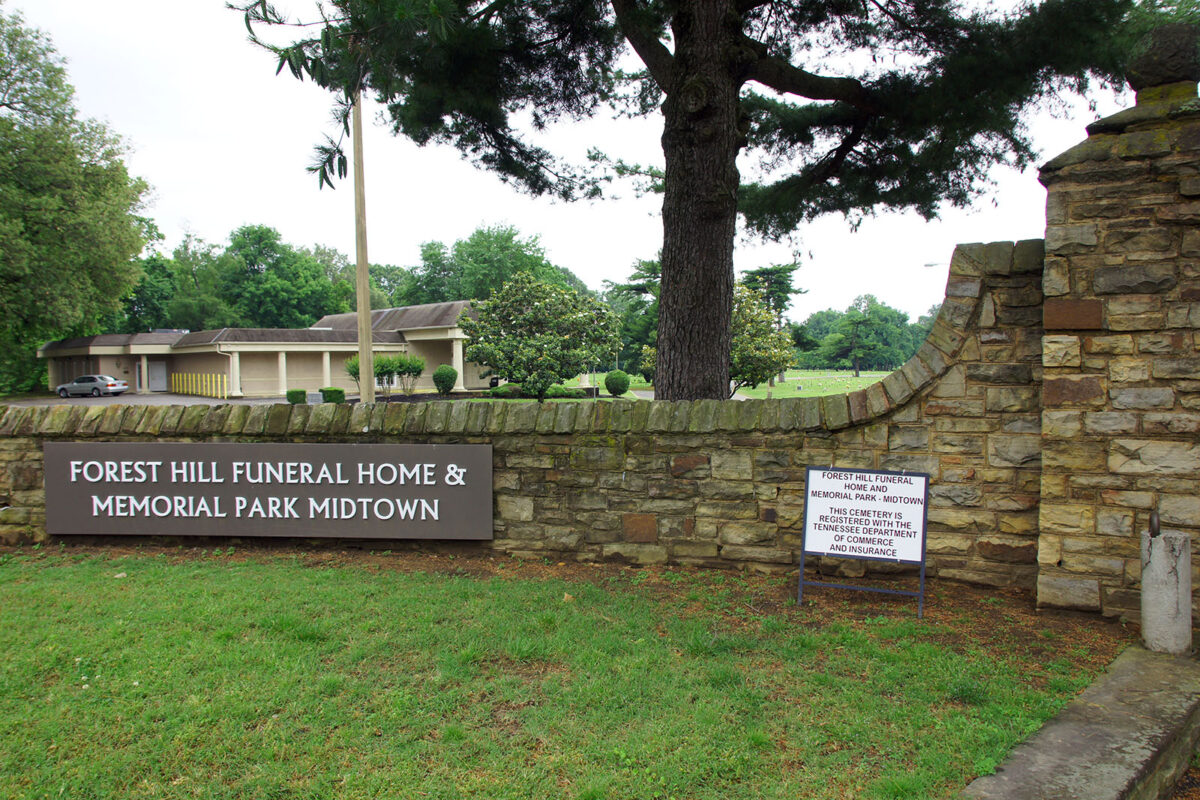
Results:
[1128, 736]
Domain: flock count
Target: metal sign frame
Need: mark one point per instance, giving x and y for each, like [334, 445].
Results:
[920, 595]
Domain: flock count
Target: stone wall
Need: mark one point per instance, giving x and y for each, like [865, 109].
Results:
[1121, 418]
[709, 482]
[1051, 430]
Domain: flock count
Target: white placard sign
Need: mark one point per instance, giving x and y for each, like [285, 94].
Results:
[865, 514]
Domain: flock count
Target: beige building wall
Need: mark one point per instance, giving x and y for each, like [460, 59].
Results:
[64, 370]
[203, 363]
[435, 354]
[304, 371]
[473, 376]
[120, 367]
[260, 374]
[337, 372]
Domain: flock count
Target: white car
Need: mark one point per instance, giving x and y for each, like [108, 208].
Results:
[95, 385]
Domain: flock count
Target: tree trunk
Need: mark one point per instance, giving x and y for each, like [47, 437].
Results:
[701, 139]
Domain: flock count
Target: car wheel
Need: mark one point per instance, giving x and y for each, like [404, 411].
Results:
[63, 393]
[95, 392]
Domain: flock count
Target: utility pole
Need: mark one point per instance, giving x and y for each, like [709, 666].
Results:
[366, 361]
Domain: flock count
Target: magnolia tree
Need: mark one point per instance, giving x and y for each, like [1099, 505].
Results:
[538, 334]
[760, 350]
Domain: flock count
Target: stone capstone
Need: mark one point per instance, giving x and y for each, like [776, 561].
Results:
[1168, 54]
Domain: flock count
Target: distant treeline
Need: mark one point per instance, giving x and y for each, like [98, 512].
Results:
[259, 281]
[868, 335]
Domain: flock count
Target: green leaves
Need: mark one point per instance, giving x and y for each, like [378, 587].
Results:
[759, 351]
[70, 224]
[868, 335]
[476, 267]
[33, 78]
[455, 71]
[329, 159]
[402, 369]
[538, 334]
[940, 114]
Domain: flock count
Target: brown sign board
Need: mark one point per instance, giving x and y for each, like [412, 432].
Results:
[344, 491]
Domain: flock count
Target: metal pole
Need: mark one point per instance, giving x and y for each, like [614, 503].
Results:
[366, 365]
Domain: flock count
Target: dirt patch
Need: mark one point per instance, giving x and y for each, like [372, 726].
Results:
[1188, 787]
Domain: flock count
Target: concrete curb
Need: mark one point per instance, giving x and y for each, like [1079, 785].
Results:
[1128, 736]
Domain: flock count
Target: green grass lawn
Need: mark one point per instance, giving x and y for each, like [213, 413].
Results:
[799, 383]
[814, 383]
[212, 675]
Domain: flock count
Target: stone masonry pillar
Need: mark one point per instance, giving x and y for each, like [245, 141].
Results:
[1121, 351]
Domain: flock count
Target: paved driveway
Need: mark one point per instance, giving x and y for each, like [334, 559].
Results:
[129, 398]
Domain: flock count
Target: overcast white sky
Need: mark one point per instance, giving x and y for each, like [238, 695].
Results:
[223, 141]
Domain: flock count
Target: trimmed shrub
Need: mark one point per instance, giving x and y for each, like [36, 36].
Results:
[557, 392]
[332, 394]
[385, 368]
[408, 369]
[297, 397]
[444, 378]
[616, 382]
[508, 391]
[512, 391]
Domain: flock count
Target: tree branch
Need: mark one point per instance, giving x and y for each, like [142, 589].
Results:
[489, 10]
[654, 54]
[781, 76]
[829, 166]
[923, 33]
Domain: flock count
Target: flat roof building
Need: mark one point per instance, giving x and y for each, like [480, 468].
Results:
[266, 362]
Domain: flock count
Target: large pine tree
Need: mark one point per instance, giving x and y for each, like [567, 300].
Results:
[852, 104]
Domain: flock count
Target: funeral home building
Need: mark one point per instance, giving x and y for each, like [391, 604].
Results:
[266, 362]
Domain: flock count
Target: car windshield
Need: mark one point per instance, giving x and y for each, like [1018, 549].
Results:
[105, 378]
